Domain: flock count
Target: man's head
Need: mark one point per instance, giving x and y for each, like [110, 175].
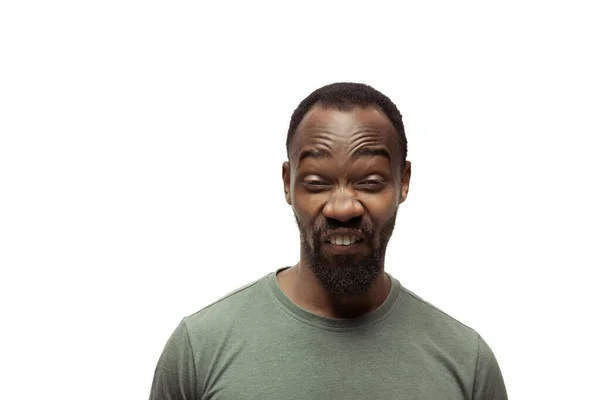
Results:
[345, 177]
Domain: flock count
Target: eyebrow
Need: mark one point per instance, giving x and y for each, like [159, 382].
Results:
[363, 152]
[372, 152]
[318, 154]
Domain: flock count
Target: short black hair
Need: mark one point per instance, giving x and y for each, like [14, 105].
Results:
[345, 96]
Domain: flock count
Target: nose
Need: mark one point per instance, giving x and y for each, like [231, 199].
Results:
[343, 206]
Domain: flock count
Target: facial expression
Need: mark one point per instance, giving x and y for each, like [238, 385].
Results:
[345, 180]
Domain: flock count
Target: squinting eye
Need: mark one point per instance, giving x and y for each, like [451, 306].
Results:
[371, 184]
[315, 183]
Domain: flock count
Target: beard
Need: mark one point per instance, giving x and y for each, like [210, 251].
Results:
[347, 274]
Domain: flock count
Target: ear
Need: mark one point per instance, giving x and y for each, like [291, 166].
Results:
[405, 181]
[286, 176]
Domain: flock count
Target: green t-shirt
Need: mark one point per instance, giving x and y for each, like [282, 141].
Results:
[255, 343]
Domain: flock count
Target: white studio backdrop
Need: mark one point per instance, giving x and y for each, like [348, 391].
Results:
[140, 174]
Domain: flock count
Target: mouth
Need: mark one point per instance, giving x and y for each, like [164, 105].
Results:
[344, 240]
[339, 244]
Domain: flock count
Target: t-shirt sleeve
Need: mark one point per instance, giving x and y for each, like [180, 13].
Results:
[489, 383]
[175, 374]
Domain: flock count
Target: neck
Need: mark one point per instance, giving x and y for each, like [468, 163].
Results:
[305, 290]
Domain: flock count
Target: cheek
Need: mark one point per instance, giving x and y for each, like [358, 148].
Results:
[304, 218]
[382, 206]
[308, 206]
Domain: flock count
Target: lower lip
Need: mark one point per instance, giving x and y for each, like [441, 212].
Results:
[342, 249]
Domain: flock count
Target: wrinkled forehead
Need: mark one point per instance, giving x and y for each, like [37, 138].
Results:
[341, 133]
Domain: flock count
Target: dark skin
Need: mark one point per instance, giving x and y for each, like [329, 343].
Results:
[344, 166]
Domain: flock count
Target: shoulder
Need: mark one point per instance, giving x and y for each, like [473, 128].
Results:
[438, 328]
[460, 347]
[434, 316]
[197, 342]
[236, 308]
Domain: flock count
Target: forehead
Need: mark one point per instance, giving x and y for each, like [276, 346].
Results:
[344, 131]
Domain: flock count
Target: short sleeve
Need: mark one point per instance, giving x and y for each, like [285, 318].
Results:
[488, 383]
[175, 374]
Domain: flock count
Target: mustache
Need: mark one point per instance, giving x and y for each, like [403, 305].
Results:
[327, 225]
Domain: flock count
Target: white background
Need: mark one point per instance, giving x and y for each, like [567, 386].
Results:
[140, 159]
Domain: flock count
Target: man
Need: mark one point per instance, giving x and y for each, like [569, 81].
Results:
[335, 325]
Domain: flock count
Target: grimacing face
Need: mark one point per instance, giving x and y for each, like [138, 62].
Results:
[345, 179]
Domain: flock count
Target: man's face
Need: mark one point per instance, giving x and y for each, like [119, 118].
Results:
[345, 180]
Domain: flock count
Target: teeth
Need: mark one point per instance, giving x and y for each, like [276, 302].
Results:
[343, 240]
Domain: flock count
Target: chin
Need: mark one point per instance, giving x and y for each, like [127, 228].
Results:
[346, 274]
[343, 261]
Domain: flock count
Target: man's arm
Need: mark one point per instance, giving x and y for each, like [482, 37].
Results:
[175, 374]
[489, 383]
